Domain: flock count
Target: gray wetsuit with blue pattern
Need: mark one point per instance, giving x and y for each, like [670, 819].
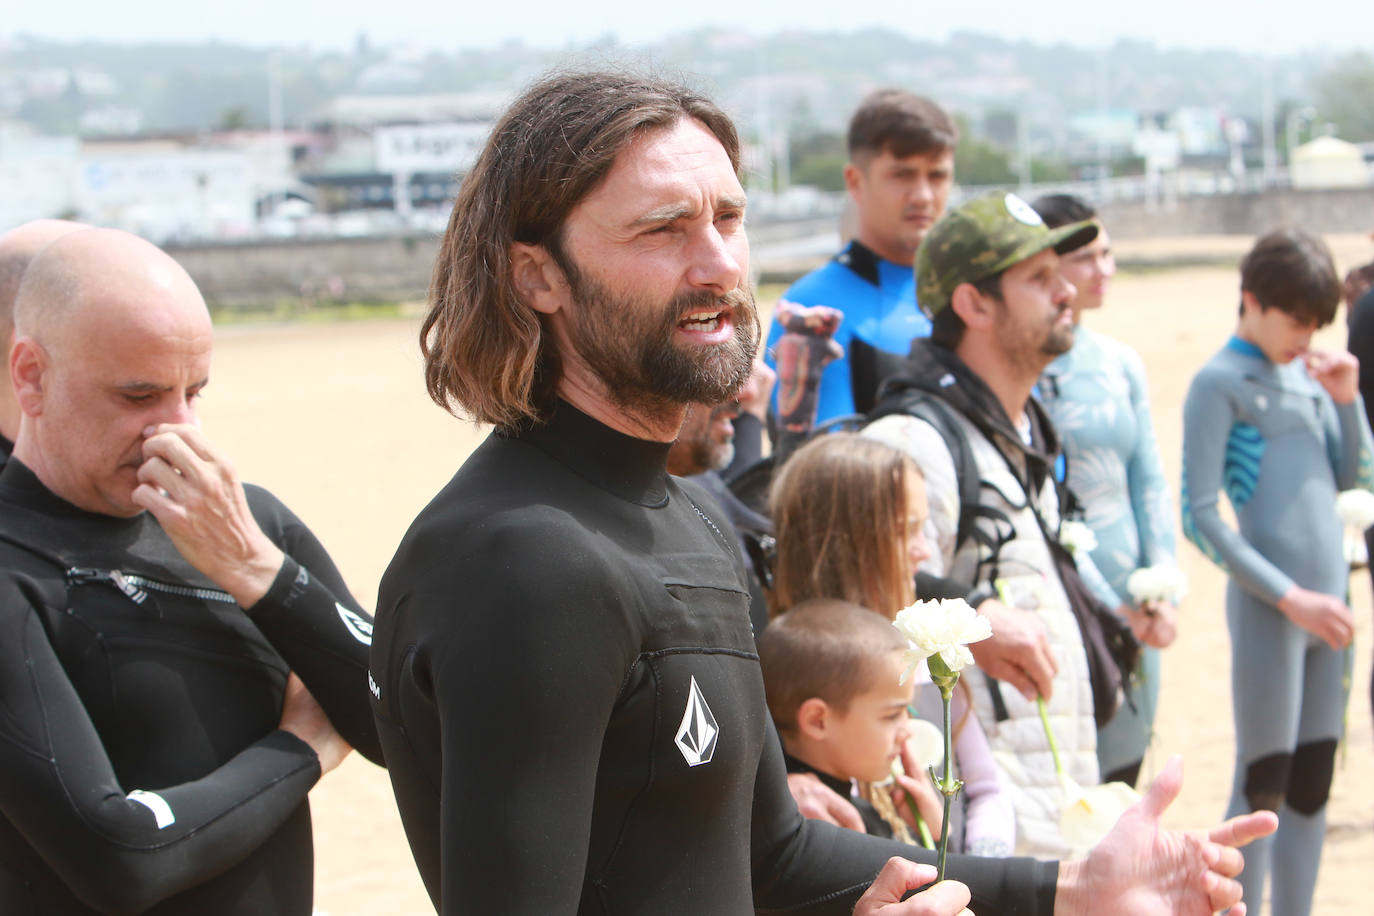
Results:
[1282, 449]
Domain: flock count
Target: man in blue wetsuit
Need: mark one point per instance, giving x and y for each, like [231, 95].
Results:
[166, 631]
[900, 171]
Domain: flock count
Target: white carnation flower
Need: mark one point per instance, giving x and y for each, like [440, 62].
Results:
[1161, 582]
[1089, 814]
[943, 627]
[1076, 536]
[1356, 508]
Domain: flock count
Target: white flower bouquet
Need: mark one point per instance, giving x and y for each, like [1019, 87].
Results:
[1161, 582]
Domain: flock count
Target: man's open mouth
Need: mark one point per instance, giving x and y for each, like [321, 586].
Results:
[701, 321]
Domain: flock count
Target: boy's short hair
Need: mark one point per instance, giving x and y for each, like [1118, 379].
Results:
[822, 648]
[1292, 271]
[901, 122]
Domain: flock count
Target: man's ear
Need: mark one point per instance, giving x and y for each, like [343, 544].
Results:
[538, 279]
[28, 363]
[813, 718]
[977, 310]
[853, 177]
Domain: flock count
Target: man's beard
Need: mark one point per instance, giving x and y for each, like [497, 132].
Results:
[629, 344]
[1028, 350]
[1059, 340]
[706, 451]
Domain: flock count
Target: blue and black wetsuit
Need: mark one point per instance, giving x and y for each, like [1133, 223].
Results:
[878, 299]
[1282, 450]
[141, 767]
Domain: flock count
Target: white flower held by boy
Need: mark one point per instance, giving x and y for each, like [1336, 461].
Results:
[938, 633]
[942, 628]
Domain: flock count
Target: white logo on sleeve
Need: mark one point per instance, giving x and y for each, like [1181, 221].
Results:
[155, 803]
[358, 627]
[696, 736]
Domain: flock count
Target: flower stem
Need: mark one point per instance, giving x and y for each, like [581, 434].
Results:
[922, 828]
[1049, 735]
[948, 787]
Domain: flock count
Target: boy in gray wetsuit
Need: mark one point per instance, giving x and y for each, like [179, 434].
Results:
[1282, 429]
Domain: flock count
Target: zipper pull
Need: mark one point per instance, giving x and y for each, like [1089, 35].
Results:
[84, 575]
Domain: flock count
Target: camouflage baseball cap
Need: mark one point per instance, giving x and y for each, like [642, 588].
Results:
[984, 236]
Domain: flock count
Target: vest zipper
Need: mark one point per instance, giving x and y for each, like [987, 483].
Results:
[136, 587]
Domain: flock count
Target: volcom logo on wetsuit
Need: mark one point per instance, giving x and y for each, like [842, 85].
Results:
[357, 627]
[696, 736]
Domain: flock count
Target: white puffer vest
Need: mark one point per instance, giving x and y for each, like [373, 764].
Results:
[1025, 573]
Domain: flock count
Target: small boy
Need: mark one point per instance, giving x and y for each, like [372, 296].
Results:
[1282, 429]
[832, 675]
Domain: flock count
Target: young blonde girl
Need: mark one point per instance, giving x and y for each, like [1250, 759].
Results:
[848, 513]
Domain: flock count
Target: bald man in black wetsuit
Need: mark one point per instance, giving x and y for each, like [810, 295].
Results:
[18, 247]
[566, 684]
[159, 622]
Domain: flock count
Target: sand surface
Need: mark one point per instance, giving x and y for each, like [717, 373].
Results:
[335, 420]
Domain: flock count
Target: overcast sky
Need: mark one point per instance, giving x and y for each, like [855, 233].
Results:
[1257, 26]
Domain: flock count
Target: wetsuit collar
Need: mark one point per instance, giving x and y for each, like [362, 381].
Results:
[21, 486]
[6, 448]
[632, 469]
[1245, 348]
[863, 261]
[842, 786]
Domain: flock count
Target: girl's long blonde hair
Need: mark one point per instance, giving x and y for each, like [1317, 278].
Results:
[840, 517]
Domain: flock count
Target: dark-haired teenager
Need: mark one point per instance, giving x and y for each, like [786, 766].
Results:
[1281, 428]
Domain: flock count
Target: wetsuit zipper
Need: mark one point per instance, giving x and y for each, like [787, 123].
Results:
[136, 587]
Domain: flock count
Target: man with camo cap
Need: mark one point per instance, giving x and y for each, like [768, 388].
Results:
[988, 276]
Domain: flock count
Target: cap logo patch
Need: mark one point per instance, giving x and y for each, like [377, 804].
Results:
[1022, 212]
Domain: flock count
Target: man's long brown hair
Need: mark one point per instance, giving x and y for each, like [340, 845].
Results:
[485, 350]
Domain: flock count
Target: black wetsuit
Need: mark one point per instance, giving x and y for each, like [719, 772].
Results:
[874, 825]
[572, 708]
[142, 768]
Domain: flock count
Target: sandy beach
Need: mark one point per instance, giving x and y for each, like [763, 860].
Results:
[335, 420]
